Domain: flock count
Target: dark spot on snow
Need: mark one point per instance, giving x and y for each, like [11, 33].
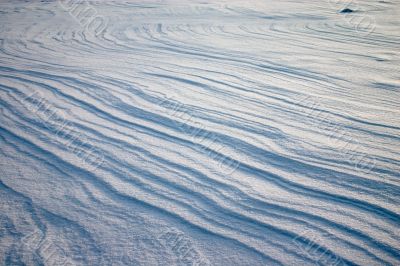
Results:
[346, 10]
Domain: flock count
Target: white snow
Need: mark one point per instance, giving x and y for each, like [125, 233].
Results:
[199, 133]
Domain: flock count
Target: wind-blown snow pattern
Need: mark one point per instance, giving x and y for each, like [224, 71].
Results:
[199, 133]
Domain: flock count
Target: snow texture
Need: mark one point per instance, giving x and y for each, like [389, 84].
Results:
[199, 132]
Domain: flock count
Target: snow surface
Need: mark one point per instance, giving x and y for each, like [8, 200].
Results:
[200, 133]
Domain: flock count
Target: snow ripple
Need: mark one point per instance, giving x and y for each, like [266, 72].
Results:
[192, 133]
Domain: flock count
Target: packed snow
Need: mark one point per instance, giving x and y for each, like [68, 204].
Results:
[185, 132]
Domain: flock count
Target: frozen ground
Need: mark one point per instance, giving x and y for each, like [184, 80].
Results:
[199, 133]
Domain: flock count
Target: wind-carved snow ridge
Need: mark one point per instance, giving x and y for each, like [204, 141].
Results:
[199, 133]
